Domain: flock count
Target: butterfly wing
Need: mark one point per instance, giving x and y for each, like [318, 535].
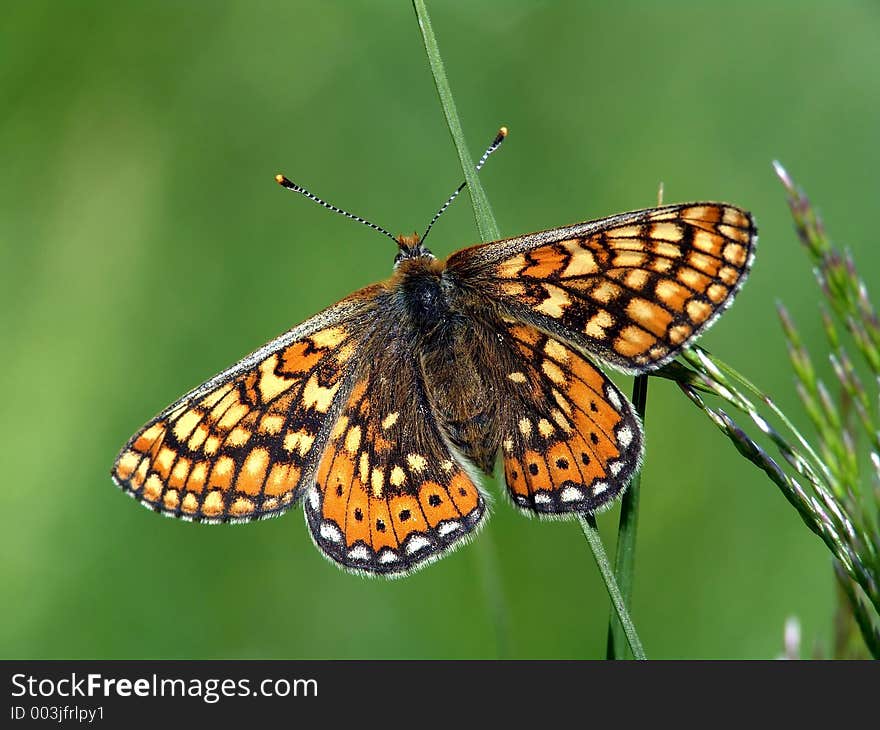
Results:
[391, 494]
[242, 445]
[634, 289]
[570, 439]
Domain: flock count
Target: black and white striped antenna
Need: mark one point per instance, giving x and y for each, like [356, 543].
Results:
[290, 185]
[496, 143]
[285, 183]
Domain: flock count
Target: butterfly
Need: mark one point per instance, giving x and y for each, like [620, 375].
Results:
[381, 411]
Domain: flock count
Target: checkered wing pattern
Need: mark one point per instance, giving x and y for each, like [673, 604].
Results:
[391, 494]
[570, 439]
[241, 446]
[633, 289]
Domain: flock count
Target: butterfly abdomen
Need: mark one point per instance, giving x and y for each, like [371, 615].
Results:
[459, 386]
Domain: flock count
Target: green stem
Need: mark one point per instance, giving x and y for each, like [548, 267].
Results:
[859, 613]
[624, 560]
[591, 532]
[488, 230]
[486, 224]
[491, 578]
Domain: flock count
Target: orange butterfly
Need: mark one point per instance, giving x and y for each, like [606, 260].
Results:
[382, 410]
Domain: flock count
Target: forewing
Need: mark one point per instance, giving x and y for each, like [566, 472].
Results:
[240, 446]
[390, 494]
[571, 441]
[633, 289]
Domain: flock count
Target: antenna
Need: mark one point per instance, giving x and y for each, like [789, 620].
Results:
[285, 183]
[401, 241]
[496, 143]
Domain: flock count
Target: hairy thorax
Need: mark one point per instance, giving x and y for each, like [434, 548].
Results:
[454, 344]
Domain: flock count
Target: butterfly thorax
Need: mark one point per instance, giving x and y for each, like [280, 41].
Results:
[417, 280]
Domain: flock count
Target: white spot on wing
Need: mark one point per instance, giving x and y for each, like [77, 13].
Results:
[416, 543]
[330, 532]
[449, 526]
[359, 552]
[611, 393]
[599, 487]
[388, 556]
[542, 498]
[615, 466]
[314, 498]
[625, 436]
[571, 494]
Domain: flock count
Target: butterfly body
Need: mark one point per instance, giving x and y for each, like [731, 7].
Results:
[452, 338]
[381, 411]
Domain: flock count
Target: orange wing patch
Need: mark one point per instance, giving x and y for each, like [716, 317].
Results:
[389, 496]
[237, 448]
[571, 442]
[634, 289]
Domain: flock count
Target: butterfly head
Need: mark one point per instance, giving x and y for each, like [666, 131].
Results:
[410, 248]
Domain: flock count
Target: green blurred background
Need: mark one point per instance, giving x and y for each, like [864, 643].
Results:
[145, 247]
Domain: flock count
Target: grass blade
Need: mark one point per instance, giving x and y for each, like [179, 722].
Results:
[486, 224]
[488, 229]
[624, 559]
[591, 532]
